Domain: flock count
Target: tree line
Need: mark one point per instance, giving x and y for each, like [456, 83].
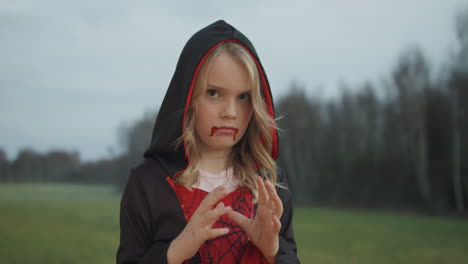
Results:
[404, 147]
[400, 143]
[64, 166]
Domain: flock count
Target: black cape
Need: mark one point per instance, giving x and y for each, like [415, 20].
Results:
[150, 213]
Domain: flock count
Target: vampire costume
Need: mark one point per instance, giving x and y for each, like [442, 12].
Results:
[152, 211]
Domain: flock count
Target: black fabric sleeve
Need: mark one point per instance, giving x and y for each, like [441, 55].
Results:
[136, 242]
[287, 252]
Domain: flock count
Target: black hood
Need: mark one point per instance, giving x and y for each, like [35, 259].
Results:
[168, 126]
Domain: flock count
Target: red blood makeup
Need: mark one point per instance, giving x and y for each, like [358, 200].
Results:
[225, 131]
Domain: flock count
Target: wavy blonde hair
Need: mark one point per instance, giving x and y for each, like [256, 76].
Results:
[253, 151]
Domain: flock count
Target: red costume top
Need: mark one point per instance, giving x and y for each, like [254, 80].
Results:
[233, 247]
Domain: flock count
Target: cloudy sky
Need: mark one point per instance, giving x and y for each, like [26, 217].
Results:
[72, 71]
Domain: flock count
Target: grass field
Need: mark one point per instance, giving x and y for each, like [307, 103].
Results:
[57, 223]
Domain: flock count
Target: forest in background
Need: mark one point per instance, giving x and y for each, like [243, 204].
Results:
[400, 143]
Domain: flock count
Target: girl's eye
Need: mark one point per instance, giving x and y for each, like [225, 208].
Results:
[213, 93]
[244, 97]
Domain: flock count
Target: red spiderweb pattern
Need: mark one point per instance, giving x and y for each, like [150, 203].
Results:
[233, 247]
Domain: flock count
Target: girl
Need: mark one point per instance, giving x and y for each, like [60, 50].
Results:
[209, 190]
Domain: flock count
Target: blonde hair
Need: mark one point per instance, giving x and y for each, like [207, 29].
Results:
[254, 150]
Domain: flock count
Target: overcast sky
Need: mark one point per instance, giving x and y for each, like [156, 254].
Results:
[72, 71]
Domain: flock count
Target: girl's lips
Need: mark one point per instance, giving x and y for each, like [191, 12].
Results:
[224, 130]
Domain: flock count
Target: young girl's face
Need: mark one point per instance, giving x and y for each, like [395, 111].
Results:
[223, 113]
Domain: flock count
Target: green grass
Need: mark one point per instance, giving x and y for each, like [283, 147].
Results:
[58, 223]
[332, 236]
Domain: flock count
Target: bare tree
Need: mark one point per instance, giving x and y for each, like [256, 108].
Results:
[299, 141]
[4, 166]
[458, 81]
[411, 78]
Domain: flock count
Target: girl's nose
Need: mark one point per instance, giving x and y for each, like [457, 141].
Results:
[229, 110]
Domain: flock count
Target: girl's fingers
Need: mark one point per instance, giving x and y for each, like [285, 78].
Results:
[210, 217]
[240, 219]
[267, 197]
[212, 198]
[262, 193]
[276, 224]
[274, 200]
[216, 232]
[271, 201]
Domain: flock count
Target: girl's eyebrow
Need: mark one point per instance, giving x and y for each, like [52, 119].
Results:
[213, 86]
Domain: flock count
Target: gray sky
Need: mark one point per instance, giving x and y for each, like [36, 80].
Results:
[72, 71]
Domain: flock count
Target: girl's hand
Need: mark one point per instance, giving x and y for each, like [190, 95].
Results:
[263, 230]
[199, 228]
